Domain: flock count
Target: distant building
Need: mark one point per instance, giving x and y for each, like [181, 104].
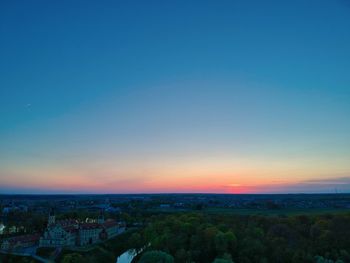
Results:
[11, 208]
[164, 206]
[65, 233]
[2, 227]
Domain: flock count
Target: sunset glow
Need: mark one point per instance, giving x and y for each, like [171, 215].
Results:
[200, 97]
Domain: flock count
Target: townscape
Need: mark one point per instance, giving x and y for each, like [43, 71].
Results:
[57, 234]
[33, 224]
[181, 131]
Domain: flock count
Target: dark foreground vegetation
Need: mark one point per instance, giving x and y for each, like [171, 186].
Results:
[16, 259]
[197, 228]
[207, 238]
[244, 239]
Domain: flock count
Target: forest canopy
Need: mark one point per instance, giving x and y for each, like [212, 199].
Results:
[204, 238]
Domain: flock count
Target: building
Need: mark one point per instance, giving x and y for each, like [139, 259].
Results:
[18, 242]
[57, 235]
[67, 233]
[112, 228]
[12, 208]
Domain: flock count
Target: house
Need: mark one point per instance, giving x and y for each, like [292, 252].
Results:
[65, 233]
[112, 228]
[23, 241]
[57, 235]
[89, 233]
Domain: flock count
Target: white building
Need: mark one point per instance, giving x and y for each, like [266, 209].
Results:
[73, 233]
[58, 236]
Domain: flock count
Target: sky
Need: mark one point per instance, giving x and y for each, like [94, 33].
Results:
[175, 96]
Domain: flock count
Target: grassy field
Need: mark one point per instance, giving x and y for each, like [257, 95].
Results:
[252, 211]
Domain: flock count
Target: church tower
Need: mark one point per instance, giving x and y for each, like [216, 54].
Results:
[52, 217]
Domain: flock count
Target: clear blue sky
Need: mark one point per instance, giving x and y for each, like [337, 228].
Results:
[161, 96]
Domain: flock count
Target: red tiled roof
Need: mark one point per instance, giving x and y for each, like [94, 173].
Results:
[110, 223]
[90, 225]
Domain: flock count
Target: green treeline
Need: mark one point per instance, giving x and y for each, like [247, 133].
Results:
[206, 238]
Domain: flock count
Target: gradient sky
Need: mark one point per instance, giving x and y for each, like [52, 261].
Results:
[175, 96]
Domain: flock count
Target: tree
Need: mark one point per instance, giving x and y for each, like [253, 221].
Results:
[102, 256]
[320, 259]
[135, 241]
[225, 258]
[181, 255]
[156, 256]
[220, 243]
[221, 260]
[225, 242]
[73, 258]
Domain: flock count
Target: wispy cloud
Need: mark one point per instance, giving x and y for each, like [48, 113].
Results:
[330, 181]
[233, 185]
[327, 185]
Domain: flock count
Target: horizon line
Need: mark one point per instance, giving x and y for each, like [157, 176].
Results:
[174, 193]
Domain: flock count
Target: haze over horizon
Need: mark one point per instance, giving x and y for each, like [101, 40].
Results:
[171, 97]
